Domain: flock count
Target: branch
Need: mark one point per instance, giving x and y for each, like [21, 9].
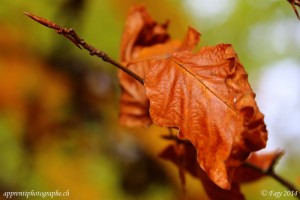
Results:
[80, 43]
[271, 172]
[295, 3]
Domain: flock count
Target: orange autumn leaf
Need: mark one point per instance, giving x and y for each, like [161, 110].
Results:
[143, 42]
[214, 94]
[207, 97]
[140, 31]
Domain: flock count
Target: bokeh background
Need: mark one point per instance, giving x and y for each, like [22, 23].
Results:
[59, 106]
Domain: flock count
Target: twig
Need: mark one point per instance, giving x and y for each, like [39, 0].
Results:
[270, 172]
[80, 43]
[295, 3]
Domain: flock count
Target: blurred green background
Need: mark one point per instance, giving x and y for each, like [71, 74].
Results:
[59, 106]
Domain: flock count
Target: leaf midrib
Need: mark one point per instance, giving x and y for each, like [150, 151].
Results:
[201, 82]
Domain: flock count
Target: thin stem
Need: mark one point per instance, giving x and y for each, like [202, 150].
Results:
[270, 172]
[295, 3]
[80, 43]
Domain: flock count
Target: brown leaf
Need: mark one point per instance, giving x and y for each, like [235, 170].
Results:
[263, 161]
[208, 98]
[137, 34]
[143, 42]
[140, 31]
[187, 159]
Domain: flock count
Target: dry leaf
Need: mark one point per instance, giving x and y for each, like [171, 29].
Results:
[143, 42]
[206, 95]
[208, 98]
[140, 30]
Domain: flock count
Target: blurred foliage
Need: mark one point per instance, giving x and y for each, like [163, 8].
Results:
[59, 106]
